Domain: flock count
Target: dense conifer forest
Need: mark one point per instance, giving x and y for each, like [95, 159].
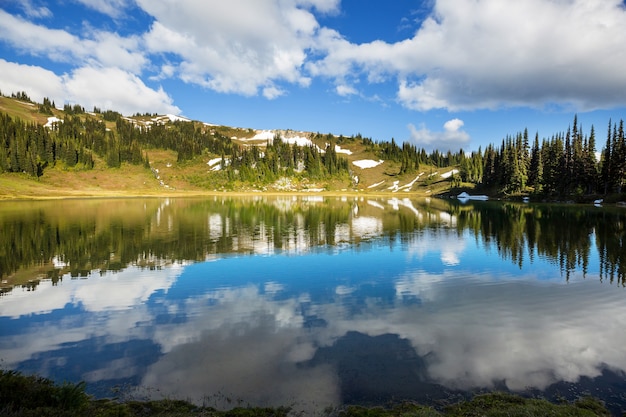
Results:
[565, 164]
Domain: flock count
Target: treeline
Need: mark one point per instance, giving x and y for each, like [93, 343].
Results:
[410, 157]
[564, 165]
[30, 147]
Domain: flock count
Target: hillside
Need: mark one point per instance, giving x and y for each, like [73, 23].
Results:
[113, 155]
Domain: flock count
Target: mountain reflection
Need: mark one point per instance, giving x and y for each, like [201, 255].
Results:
[361, 300]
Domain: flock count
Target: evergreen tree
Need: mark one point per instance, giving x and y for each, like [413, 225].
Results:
[590, 177]
[535, 174]
[606, 173]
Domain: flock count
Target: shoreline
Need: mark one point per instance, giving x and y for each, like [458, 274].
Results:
[68, 195]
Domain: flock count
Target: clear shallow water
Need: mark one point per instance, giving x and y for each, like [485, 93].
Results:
[315, 302]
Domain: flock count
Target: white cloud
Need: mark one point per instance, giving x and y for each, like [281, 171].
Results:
[243, 46]
[107, 88]
[483, 54]
[110, 49]
[346, 90]
[38, 40]
[34, 11]
[324, 6]
[102, 48]
[452, 137]
[113, 88]
[271, 92]
[113, 8]
[490, 54]
[36, 81]
[453, 125]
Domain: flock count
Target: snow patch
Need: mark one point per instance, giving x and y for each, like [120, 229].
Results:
[377, 184]
[449, 173]
[216, 165]
[408, 186]
[465, 196]
[300, 141]
[367, 163]
[174, 118]
[263, 135]
[52, 120]
[338, 149]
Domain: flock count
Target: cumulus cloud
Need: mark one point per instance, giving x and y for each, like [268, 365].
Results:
[453, 137]
[112, 88]
[491, 54]
[102, 48]
[483, 54]
[346, 90]
[242, 47]
[36, 81]
[36, 39]
[107, 88]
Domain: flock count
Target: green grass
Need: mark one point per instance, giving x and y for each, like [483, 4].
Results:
[509, 405]
[33, 396]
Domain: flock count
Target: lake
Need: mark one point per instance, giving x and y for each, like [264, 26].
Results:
[314, 302]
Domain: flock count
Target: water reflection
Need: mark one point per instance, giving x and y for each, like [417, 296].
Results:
[349, 301]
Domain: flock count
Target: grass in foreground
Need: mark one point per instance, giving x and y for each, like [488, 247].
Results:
[27, 396]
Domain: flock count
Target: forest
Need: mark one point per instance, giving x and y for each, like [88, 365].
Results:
[75, 140]
[562, 165]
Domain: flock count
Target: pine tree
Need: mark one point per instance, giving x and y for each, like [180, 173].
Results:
[619, 157]
[606, 173]
[590, 163]
[535, 174]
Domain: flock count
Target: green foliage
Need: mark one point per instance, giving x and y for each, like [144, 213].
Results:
[279, 159]
[111, 116]
[22, 96]
[18, 392]
[402, 410]
[509, 405]
[73, 110]
[563, 165]
[161, 407]
[46, 107]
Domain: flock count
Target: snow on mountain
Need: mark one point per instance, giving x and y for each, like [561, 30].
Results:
[52, 120]
[174, 118]
[449, 173]
[367, 163]
[338, 149]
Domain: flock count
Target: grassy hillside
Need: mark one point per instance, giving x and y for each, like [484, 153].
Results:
[167, 174]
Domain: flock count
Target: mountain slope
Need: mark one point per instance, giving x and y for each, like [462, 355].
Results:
[156, 154]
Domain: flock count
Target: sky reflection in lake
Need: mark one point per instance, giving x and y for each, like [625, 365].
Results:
[423, 314]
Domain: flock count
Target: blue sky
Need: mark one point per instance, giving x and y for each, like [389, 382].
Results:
[444, 74]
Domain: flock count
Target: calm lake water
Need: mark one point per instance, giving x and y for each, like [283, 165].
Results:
[315, 302]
